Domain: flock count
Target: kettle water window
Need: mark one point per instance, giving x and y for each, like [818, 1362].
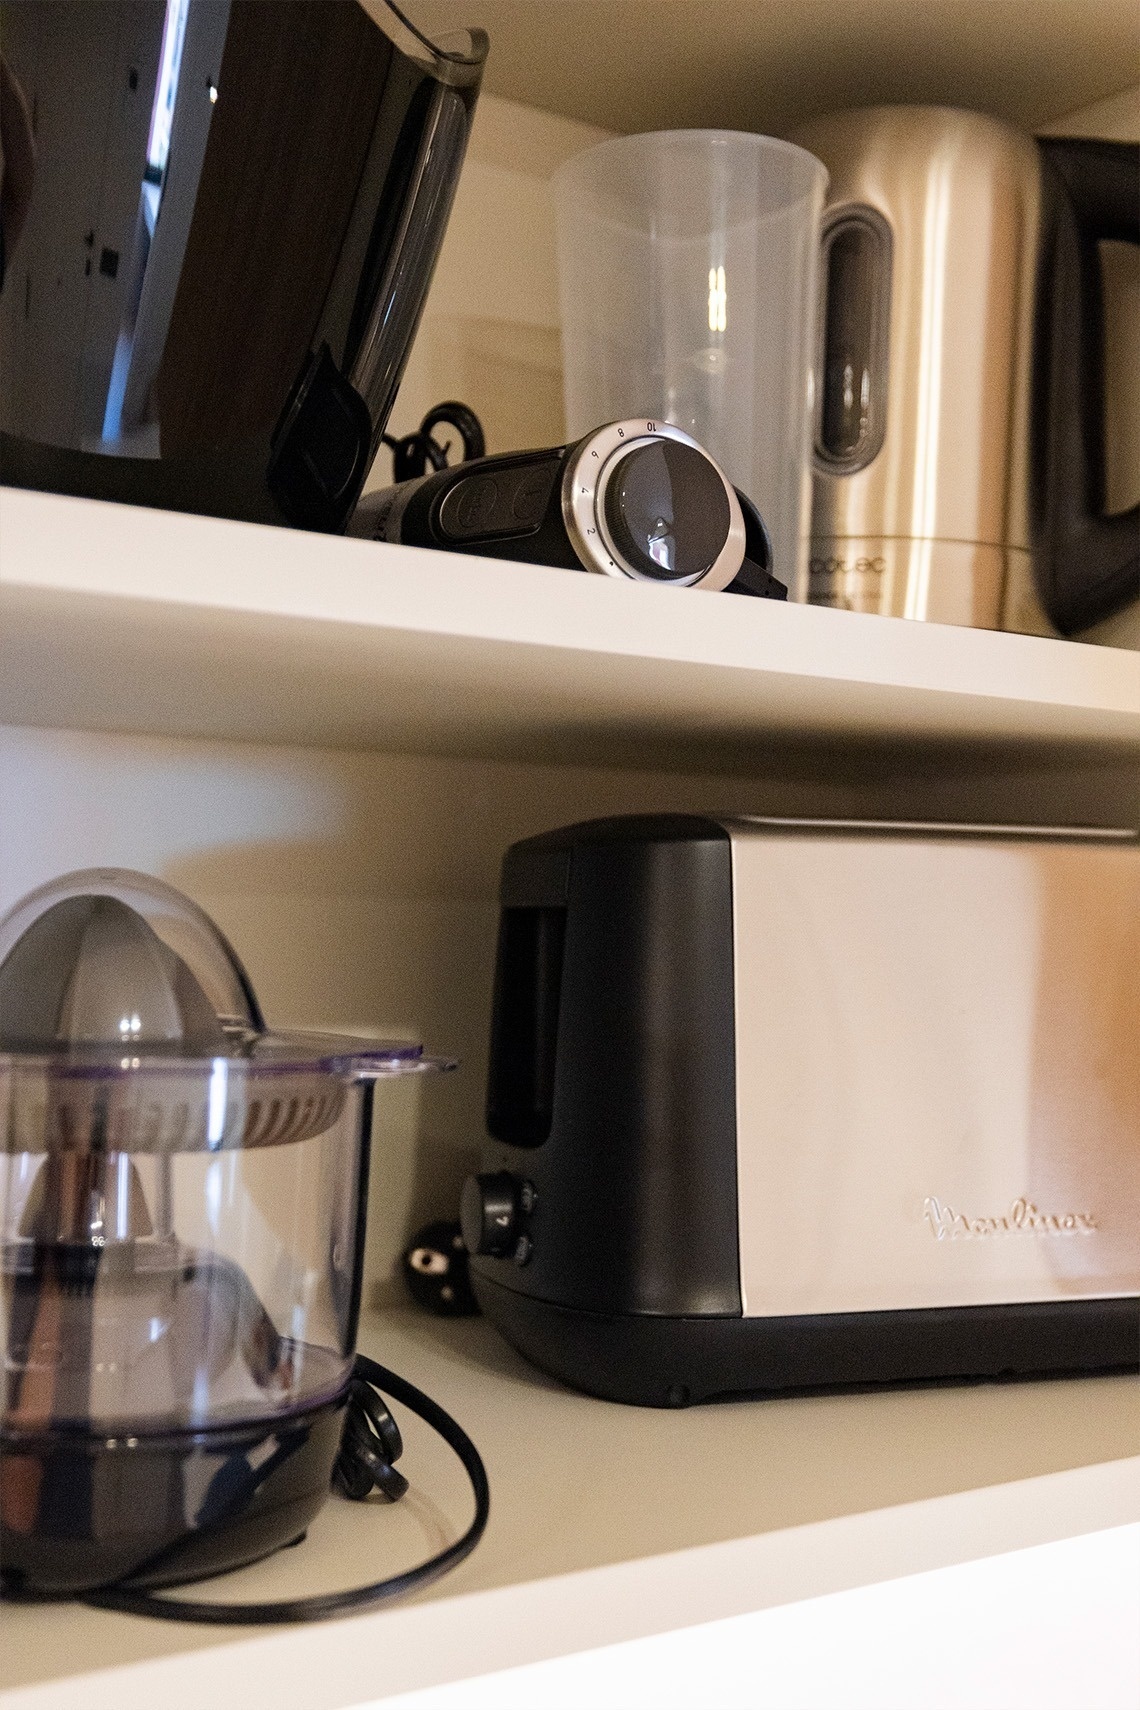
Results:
[852, 394]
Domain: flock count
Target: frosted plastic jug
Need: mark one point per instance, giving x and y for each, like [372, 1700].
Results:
[687, 269]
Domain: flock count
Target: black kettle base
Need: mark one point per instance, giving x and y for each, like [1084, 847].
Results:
[79, 1512]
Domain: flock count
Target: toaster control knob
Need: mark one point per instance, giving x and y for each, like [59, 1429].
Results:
[489, 1213]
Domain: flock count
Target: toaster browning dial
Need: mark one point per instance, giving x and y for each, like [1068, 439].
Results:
[492, 1213]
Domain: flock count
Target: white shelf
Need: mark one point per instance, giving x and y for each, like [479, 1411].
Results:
[120, 618]
[608, 1523]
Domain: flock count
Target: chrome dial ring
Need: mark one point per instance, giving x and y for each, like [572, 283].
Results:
[587, 475]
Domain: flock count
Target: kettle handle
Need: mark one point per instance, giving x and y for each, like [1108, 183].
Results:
[1086, 564]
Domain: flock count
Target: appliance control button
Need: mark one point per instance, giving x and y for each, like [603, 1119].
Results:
[524, 1247]
[484, 507]
[528, 1197]
[531, 493]
[489, 1212]
[475, 505]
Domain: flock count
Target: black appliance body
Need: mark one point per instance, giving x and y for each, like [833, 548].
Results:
[225, 242]
[779, 1105]
[639, 500]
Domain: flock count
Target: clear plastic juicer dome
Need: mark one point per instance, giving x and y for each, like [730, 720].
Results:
[181, 1190]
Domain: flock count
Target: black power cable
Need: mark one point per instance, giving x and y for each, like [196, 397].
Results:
[369, 1445]
[412, 454]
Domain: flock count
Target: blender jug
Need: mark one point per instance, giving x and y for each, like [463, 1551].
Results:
[687, 269]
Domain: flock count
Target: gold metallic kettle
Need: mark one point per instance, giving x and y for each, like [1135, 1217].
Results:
[959, 411]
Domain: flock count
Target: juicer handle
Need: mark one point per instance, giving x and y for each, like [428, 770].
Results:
[1086, 564]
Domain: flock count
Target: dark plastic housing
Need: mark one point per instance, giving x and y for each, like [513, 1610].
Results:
[229, 235]
[510, 506]
[649, 1360]
[1086, 564]
[612, 1075]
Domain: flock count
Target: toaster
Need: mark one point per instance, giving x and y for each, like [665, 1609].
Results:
[778, 1104]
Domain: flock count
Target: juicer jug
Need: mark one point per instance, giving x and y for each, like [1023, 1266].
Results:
[182, 1198]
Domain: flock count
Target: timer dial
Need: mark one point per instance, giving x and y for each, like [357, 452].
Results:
[642, 499]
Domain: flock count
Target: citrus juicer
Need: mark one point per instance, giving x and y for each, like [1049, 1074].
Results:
[182, 1200]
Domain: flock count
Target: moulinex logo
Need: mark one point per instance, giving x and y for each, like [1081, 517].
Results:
[1022, 1218]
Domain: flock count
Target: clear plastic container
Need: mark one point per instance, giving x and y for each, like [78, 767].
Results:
[181, 1190]
[688, 265]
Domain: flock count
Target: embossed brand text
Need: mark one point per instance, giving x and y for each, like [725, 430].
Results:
[1022, 1218]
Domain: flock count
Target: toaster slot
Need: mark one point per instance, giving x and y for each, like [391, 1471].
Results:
[524, 1025]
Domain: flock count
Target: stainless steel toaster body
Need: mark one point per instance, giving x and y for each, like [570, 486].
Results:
[783, 1103]
[937, 1073]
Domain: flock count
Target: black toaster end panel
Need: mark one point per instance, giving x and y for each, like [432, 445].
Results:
[612, 1075]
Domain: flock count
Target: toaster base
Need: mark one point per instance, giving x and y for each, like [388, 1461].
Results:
[659, 1361]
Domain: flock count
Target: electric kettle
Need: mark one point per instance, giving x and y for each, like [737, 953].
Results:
[959, 410]
[224, 231]
[182, 1197]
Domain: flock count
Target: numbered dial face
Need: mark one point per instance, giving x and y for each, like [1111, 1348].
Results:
[642, 499]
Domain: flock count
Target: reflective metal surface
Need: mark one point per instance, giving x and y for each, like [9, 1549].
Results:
[231, 226]
[936, 525]
[938, 1085]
